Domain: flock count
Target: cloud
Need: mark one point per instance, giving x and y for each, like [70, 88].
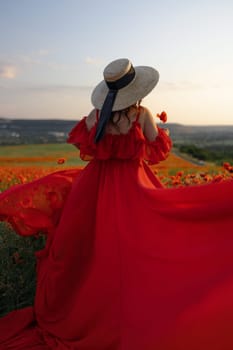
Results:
[37, 60]
[61, 66]
[34, 57]
[43, 52]
[57, 88]
[46, 88]
[9, 66]
[181, 85]
[8, 71]
[93, 61]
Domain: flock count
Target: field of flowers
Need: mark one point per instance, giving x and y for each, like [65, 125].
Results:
[21, 164]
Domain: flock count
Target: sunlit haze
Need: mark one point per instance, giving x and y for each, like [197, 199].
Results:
[53, 53]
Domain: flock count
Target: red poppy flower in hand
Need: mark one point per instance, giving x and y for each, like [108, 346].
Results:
[162, 116]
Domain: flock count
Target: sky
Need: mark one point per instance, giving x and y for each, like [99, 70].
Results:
[53, 53]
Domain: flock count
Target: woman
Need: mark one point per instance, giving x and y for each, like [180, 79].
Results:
[127, 264]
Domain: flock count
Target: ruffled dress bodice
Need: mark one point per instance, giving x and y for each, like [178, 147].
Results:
[132, 145]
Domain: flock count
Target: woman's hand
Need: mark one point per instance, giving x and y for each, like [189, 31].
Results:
[167, 131]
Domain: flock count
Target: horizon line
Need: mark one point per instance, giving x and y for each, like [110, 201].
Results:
[76, 120]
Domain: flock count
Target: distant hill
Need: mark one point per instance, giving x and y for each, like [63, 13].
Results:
[30, 131]
[202, 135]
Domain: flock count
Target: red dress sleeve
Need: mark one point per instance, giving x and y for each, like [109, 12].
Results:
[158, 150]
[82, 138]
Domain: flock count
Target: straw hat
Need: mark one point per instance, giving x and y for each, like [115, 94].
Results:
[131, 83]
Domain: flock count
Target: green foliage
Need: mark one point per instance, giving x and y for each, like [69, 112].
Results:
[17, 269]
[216, 154]
[38, 150]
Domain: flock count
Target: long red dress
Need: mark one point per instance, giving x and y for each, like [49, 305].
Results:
[128, 264]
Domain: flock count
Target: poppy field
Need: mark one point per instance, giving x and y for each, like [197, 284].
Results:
[22, 164]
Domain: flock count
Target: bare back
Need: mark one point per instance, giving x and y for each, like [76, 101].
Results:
[122, 122]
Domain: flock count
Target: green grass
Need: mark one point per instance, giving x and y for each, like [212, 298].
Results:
[36, 150]
[216, 153]
[17, 277]
[55, 151]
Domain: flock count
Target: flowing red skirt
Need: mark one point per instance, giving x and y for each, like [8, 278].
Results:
[128, 265]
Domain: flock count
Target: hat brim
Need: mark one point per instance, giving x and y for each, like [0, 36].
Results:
[145, 80]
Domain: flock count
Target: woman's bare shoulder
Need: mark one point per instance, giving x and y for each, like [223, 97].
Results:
[91, 119]
[145, 114]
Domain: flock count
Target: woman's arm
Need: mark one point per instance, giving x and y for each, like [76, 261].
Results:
[158, 143]
[150, 128]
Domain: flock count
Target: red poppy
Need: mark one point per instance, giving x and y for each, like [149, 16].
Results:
[218, 178]
[162, 116]
[227, 166]
[61, 161]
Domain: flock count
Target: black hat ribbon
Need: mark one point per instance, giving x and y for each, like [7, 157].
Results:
[106, 110]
